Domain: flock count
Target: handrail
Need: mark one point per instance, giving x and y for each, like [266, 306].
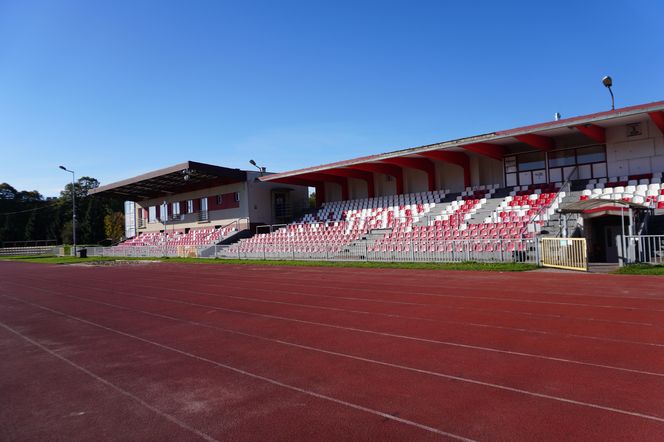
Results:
[566, 184]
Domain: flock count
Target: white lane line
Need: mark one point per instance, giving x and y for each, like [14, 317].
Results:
[448, 307]
[384, 334]
[246, 373]
[390, 289]
[338, 354]
[108, 383]
[391, 315]
[557, 316]
[372, 361]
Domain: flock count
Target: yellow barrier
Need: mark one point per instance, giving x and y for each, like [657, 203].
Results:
[564, 253]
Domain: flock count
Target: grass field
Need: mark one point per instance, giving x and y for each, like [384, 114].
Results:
[499, 267]
[641, 269]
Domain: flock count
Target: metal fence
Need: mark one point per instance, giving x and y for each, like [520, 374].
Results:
[520, 250]
[23, 251]
[646, 249]
[564, 253]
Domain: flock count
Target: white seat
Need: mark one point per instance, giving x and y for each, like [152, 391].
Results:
[630, 189]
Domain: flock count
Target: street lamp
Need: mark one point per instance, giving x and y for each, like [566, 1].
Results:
[608, 82]
[260, 169]
[73, 205]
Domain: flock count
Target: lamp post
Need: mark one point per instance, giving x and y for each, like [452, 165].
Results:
[260, 169]
[73, 205]
[608, 82]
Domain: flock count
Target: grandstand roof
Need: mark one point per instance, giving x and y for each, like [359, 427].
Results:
[600, 205]
[492, 144]
[183, 177]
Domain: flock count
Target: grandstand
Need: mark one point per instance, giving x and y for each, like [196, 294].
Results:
[597, 177]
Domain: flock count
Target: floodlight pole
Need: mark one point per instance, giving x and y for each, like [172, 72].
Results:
[73, 205]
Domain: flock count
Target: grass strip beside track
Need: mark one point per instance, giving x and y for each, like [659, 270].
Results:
[496, 267]
[641, 269]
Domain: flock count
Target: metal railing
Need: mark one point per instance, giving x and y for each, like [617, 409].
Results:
[645, 249]
[495, 250]
[566, 187]
[498, 250]
[23, 251]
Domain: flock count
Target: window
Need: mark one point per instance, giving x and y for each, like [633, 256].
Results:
[562, 158]
[204, 205]
[593, 154]
[237, 197]
[176, 208]
[531, 161]
[152, 214]
[220, 200]
[164, 212]
[190, 206]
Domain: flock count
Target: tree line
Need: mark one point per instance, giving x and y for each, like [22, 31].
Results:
[29, 216]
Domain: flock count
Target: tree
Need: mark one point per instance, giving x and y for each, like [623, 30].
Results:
[114, 226]
[7, 192]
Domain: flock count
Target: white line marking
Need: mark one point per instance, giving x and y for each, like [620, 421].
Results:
[120, 390]
[387, 364]
[251, 375]
[391, 315]
[386, 334]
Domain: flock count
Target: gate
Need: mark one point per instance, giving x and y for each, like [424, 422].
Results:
[564, 253]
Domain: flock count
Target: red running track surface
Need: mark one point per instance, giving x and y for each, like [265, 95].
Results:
[224, 352]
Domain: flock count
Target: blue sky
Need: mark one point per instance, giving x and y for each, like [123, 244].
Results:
[113, 89]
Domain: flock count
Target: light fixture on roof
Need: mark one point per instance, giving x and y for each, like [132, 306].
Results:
[260, 169]
[608, 82]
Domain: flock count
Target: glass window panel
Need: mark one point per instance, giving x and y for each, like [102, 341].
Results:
[510, 164]
[555, 175]
[525, 178]
[562, 158]
[584, 172]
[531, 161]
[593, 154]
[539, 177]
[599, 170]
[510, 179]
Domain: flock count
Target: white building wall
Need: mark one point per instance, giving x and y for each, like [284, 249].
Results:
[255, 203]
[415, 180]
[449, 176]
[636, 154]
[384, 187]
[357, 188]
[490, 171]
[332, 192]
[259, 203]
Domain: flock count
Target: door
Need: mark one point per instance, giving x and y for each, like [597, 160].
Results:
[612, 238]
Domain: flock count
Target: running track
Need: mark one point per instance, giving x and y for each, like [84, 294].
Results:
[222, 352]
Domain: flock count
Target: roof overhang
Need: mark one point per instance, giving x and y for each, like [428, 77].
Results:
[601, 207]
[493, 144]
[180, 178]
